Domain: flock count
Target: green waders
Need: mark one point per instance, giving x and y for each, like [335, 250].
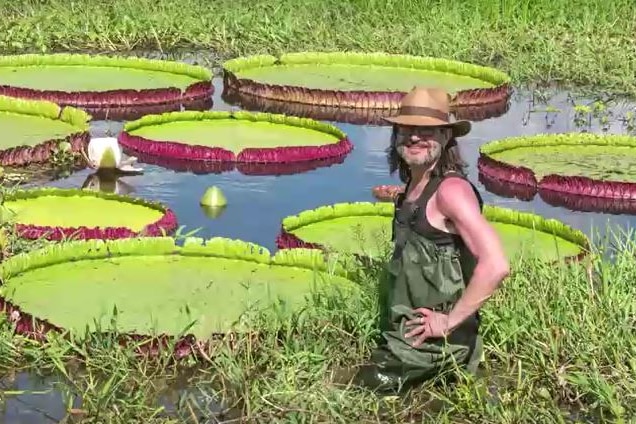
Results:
[429, 268]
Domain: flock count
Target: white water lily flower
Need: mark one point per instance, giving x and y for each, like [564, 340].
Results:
[104, 154]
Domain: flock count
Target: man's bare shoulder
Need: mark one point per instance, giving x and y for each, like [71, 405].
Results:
[455, 194]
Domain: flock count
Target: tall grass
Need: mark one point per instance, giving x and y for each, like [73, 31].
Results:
[560, 345]
[585, 42]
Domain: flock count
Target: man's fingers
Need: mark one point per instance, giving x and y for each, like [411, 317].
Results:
[420, 319]
[423, 311]
[423, 335]
[414, 332]
[416, 321]
[420, 339]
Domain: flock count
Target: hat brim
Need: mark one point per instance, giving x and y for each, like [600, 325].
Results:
[460, 128]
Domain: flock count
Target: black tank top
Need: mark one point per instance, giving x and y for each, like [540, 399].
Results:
[413, 214]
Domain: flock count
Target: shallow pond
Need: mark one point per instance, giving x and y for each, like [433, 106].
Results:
[257, 204]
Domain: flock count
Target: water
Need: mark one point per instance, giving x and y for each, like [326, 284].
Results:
[257, 204]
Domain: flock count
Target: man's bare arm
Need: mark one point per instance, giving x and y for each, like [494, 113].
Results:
[457, 202]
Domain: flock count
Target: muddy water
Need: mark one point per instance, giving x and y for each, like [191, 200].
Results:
[257, 204]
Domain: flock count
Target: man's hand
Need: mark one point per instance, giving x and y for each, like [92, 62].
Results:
[429, 324]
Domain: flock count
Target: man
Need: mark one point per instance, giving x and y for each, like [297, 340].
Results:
[447, 259]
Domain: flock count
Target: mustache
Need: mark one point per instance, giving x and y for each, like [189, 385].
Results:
[415, 143]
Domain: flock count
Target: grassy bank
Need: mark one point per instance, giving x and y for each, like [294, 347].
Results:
[560, 343]
[584, 42]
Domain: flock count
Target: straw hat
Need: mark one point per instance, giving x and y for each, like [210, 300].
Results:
[428, 107]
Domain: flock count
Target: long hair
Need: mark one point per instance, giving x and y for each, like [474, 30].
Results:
[449, 160]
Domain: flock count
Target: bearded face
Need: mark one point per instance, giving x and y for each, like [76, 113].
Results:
[421, 147]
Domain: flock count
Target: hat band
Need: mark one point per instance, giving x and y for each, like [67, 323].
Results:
[424, 111]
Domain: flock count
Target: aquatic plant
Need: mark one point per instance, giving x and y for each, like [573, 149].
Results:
[581, 164]
[265, 138]
[336, 227]
[105, 156]
[59, 214]
[572, 202]
[381, 80]
[102, 82]
[34, 129]
[507, 189]
[219, 280]
[246, 168]
[356, 116]
[213, 197]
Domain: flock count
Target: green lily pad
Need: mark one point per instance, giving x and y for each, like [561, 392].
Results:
[156, 287]
[74, 211]
[365, 228]
[31, 128]
[360, 77]
[89, 78]
[600, 157]
[363, 72]
[230, 132]
[52, 211]
[74, 73]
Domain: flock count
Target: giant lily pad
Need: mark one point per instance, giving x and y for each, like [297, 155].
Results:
[155, 289]
[361, 80]
[98, 83]
[574, 202]
[31, 130]
[574, 164]
[364, 228]
[234, 137]
[57, 214]
[356, 116]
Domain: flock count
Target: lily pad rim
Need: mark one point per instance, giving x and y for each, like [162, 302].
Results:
[276, 118]
[73, 116]
[218, 247]
[555, 140]
[355, 116]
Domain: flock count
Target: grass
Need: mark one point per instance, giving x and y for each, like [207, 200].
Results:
[586, 43]
[560, 346]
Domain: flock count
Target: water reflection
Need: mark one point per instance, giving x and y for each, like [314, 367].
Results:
[33, 399]
[213, 212]
[107, 184]
[136, 112]
[348, 115]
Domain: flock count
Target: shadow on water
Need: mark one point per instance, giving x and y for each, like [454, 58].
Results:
[257, 204]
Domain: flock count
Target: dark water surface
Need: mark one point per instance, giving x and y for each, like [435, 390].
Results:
[257, 204]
